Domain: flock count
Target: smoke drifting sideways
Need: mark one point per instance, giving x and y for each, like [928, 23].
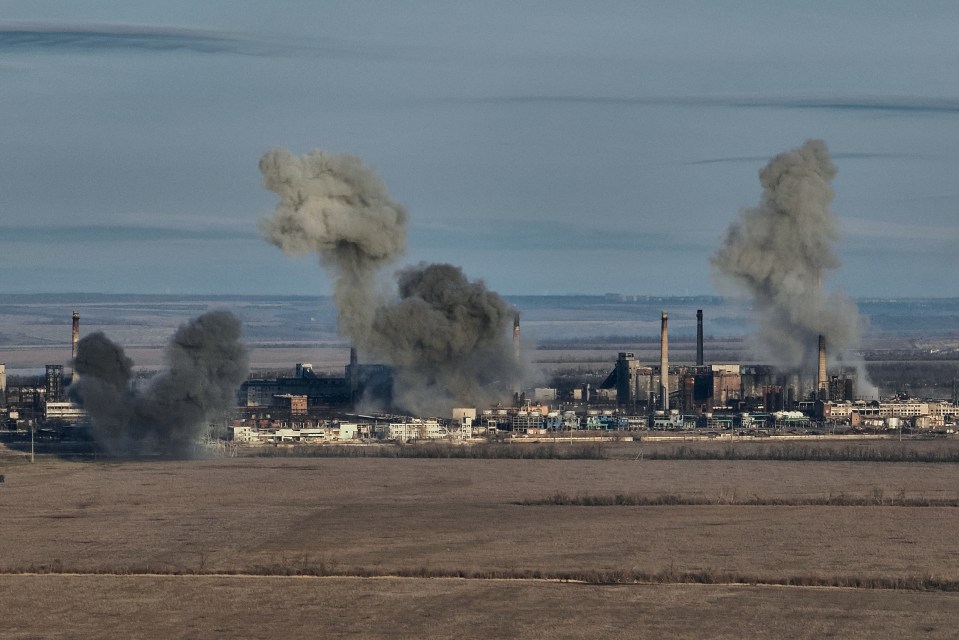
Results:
[445, 336]
[778, 253]
[206, 363]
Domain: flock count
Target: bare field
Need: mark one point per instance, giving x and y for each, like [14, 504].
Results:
[403, 514]
[268, 607]
[381, 516]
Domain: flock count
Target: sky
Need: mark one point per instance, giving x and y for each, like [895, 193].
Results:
[548, 147]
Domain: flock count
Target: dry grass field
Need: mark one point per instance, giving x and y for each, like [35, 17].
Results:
[269, 517]
[60, 607]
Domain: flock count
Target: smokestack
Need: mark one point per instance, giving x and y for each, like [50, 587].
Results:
[664, 365]
[76, 339]
[517, 387]
[699, 338]
[822, 383]
[516, 337]
[354, 374]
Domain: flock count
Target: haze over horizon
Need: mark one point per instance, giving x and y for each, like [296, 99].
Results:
[544, 147]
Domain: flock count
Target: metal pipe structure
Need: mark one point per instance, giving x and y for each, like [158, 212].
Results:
[664, 365]
[699, 338]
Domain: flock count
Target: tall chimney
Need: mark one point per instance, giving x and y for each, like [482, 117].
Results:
[822, 382]
[664, 366]
[516, 349]
[76, 339]
[699, 338]
[516, 337]
[354, 370]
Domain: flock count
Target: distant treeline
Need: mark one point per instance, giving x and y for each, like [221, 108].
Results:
[791, 451]
[588, 451]
[876, 498]
[306, 567]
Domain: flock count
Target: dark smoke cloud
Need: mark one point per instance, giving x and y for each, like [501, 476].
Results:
[206, 363]
[445, 336]
[335, 207]
[779, 251]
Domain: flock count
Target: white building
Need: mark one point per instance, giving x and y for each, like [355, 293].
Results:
[345, 431]
[66, 411]
[907, 409]
[242, 434]
[416, 430]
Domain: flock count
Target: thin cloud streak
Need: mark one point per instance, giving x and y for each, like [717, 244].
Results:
[840, 156]
[904, 104]
[99, 38]
[92, 37]
[117, 233]
[854, 227]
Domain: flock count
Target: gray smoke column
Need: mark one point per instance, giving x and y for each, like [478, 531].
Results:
[206, 363]
[334, 206]
[778, 253]
[448, 338]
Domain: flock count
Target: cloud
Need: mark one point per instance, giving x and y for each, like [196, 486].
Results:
[893, 104]
[63, 234]
[839, 156]
[93, 37]
[539, 234]
[97, 38]
[898, 232]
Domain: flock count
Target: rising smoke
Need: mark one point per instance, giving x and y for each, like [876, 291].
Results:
[446, 337]
[778, 253]
[206, 362]
[335, 207]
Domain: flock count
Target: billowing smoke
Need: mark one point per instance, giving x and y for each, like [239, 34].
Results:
[779, 251]
[206, 363]
[446, 337]
[335, 207]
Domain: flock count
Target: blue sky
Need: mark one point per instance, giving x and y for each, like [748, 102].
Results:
[546, 147]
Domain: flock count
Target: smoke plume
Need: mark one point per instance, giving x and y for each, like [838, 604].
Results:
[779, 251]
[335, 207]
[206, 363]
[446, 337]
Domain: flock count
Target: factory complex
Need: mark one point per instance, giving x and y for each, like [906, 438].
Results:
[713, 399]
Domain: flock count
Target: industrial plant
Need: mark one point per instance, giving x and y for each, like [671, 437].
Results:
[636, 400]
[438, 356]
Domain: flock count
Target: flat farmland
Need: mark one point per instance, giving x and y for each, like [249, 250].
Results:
[358, 517]
[61, 607]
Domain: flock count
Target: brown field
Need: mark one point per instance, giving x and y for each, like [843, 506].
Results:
[268, 517]
[270, 607]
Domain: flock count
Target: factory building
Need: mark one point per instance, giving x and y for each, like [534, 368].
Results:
[373, 381]
[416, 430]
[64, 412]
[54, 383]
[704, 388]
